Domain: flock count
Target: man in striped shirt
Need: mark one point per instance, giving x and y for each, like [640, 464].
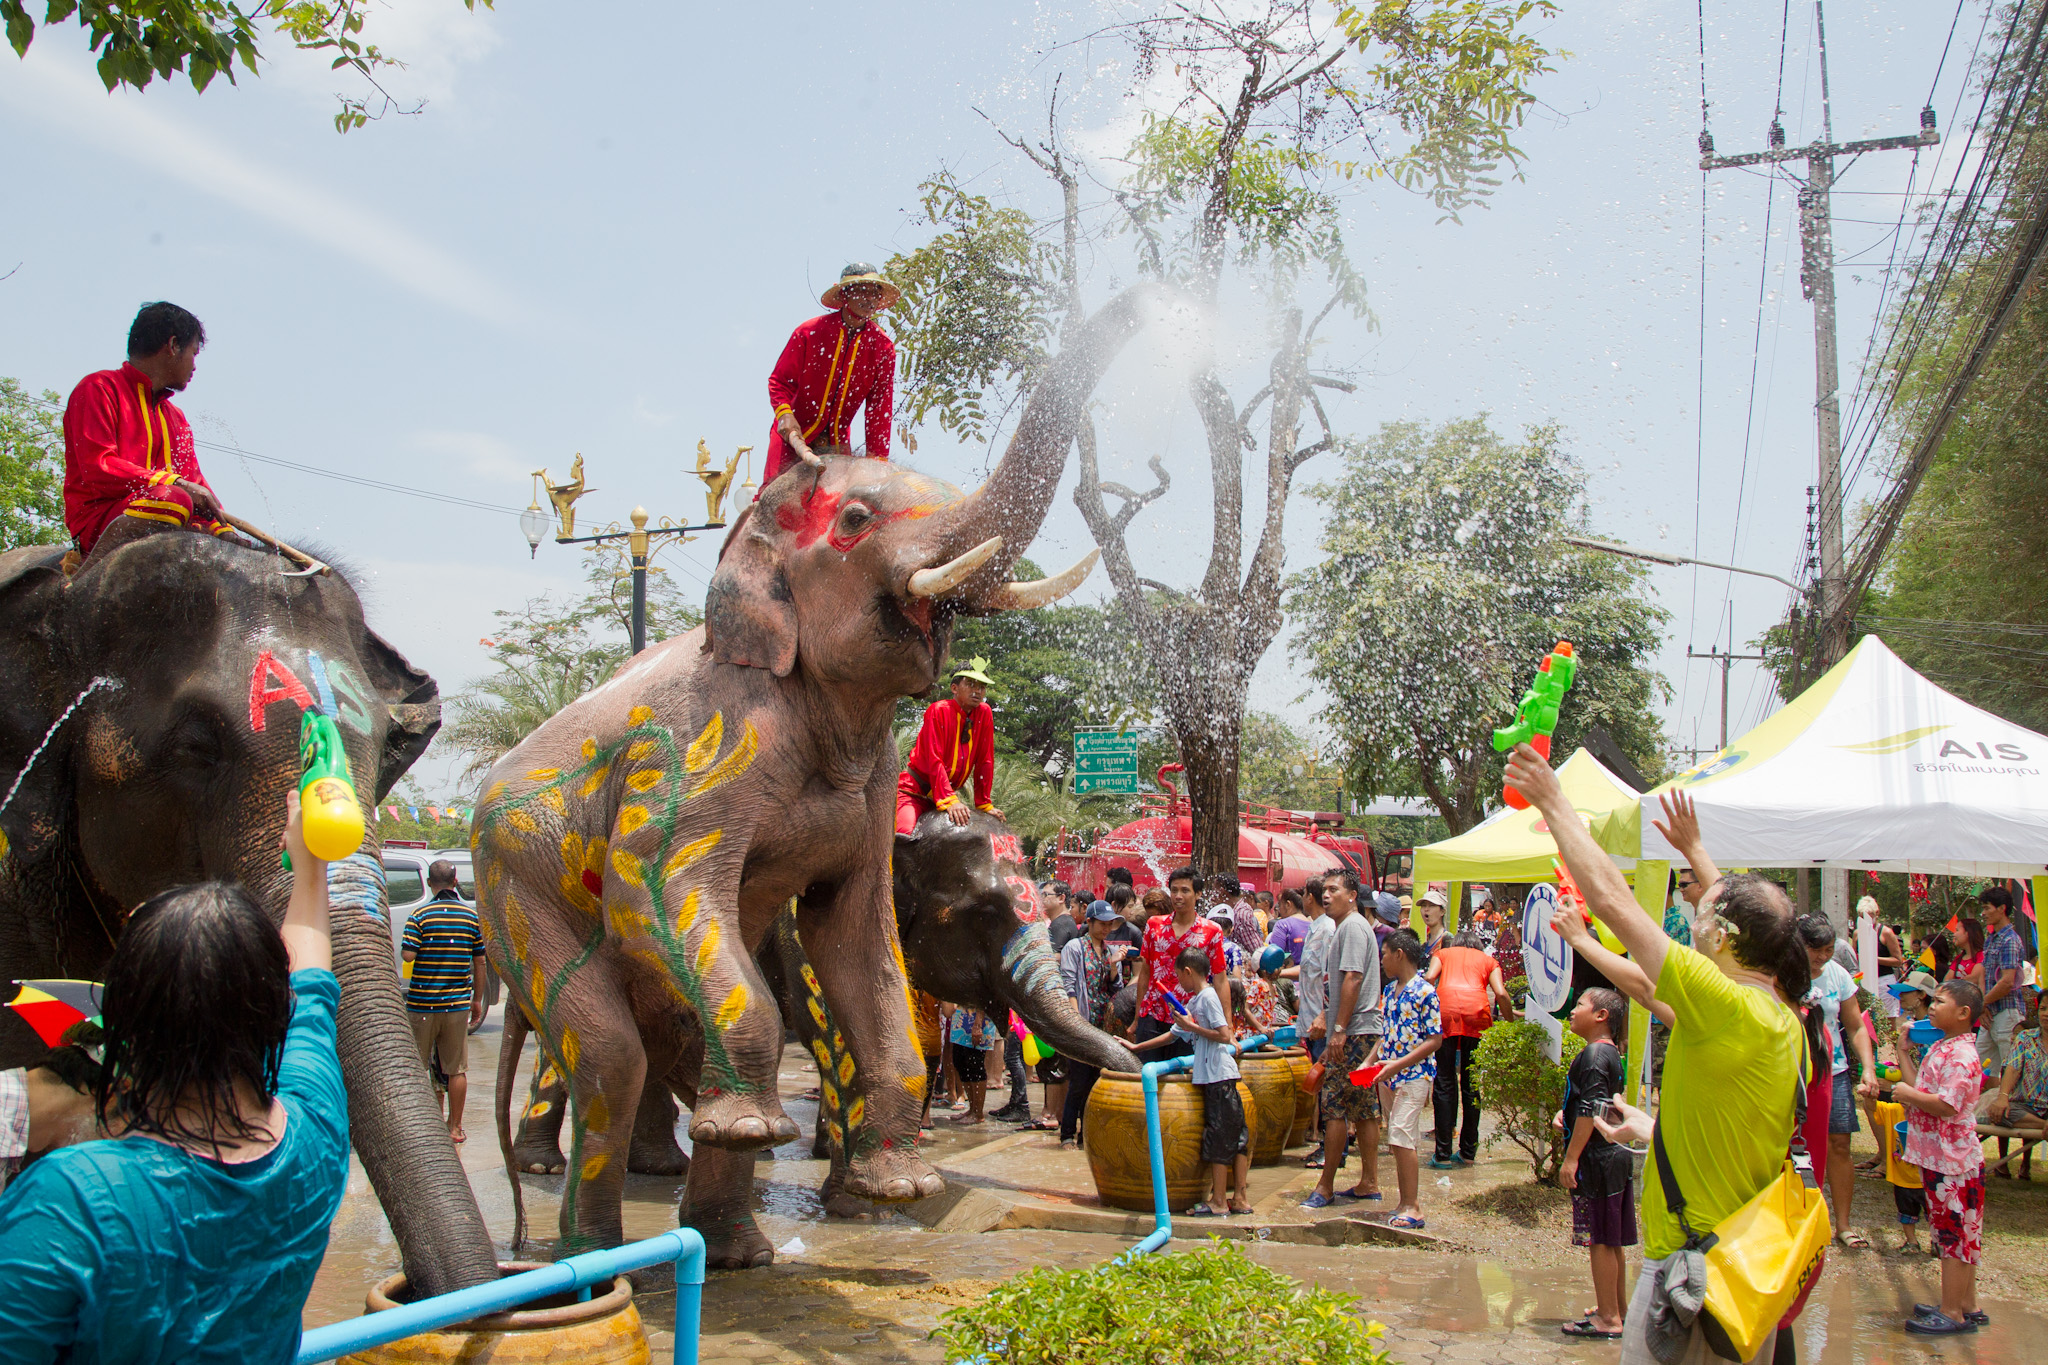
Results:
[444, 997]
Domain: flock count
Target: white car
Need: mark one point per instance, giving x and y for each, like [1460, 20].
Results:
[405, 886]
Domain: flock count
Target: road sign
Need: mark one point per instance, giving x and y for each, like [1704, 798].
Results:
[1105, 761]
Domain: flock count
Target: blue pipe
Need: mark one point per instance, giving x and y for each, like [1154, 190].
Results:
[683, 1246]
[1148, 1078]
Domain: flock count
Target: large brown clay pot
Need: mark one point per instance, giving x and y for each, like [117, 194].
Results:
[1271, 1081]
[1304, 1102]
[1120, 1161]
[550, 1331]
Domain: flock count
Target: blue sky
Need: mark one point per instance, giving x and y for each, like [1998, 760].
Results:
[595, 238]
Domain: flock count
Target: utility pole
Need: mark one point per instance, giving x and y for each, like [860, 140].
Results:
[1817, 282]
[1725, 658]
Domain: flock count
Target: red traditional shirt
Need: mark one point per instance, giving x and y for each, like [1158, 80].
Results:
[954, 745]
[824, 376]
[1163, 943]
[121, 438]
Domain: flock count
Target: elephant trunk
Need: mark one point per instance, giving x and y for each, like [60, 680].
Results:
[394, 1121]
[1014, 501]
[1030, 984]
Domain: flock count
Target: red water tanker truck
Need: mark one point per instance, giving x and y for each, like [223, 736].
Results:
[1277, 849]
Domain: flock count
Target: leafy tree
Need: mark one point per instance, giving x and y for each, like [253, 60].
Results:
[1239, 170]
[1441, 586]
[550, 652]
[1523, 1089]
[140, 40]
[31, 467]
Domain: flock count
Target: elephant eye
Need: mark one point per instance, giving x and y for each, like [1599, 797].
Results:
[856, 516]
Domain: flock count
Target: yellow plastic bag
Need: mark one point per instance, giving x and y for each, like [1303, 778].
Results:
[1896, 1169]
[1759, 1260]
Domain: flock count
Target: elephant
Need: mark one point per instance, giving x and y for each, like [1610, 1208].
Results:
[633, 851]
[973, 933]
[151, 725]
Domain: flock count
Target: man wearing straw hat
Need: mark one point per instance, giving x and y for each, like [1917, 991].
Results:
[956, 748]
[833, 366]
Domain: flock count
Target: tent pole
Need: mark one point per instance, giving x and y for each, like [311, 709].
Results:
[1650, 882]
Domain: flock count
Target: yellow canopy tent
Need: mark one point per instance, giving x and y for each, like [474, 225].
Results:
[1515, 846]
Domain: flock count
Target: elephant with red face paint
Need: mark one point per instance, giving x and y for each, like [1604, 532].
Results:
[633, 851]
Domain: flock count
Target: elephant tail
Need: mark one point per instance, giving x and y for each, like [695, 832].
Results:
[509, 1047]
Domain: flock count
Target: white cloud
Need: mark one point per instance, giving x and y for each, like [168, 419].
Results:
[435, 39]
[476, 452]
[61, 93]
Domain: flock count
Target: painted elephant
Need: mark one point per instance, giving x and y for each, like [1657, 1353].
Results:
[973, 933]
[164, 684]
[634, 850]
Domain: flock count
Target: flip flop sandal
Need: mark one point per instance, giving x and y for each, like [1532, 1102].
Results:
[1201, 1211]
[1235, 1211]
[1939, 1325]
[1314, 1160]
[1317, 1200]
[1585, 1327]
[1043, 1126]
[1356, 1196]
[1855, 1241]
[1407, 1221]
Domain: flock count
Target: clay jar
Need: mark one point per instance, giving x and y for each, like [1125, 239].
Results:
[1271, 1078]
[1118, 1157]
[553, 1331]
[1304, 1101]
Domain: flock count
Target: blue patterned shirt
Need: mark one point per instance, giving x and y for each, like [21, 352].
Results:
[2004, 954]
[1677, 925]
[1410, 1016]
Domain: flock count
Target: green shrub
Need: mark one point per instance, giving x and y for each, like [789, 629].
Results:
[1518, 990]
[1523, 1090]
[1212, 1306]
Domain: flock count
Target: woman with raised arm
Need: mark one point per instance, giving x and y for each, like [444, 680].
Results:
[194, 1232]
[1734, 1065]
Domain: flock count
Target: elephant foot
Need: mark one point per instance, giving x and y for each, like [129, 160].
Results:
[656, 1157]
[838, 1203]
[741, 1123]
[893, 1175]
[538, 1158]
[738, 1248]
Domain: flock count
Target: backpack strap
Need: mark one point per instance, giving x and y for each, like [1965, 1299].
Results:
[1673, 1199]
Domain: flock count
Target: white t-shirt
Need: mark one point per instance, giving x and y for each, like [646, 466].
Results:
[1832, 986]
[1213, 1061]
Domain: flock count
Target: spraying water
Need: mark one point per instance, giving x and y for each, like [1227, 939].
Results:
[95, 685]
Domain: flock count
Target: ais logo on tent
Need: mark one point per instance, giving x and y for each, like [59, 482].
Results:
[1950, 748]
[1720, 764]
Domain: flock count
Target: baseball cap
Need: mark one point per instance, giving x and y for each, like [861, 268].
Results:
[1225, 913]
[1434, 897]
[1923, 982]
[1102, 910]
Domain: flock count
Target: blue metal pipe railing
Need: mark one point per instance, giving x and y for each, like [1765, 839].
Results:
[1148, 1079]
[683, 1246]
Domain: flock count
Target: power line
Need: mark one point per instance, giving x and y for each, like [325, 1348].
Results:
[379, 484]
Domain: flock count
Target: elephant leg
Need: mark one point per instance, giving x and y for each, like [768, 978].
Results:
[738, 1103]
[537, 1150]
[849, 937]
[718, 1202]
[655, 1150]
[607, 1068]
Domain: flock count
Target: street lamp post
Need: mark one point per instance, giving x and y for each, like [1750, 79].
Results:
[640, 539]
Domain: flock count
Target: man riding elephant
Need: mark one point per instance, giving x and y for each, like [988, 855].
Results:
[128, 454]
[829, 370]
[635, 850]
[955, 747]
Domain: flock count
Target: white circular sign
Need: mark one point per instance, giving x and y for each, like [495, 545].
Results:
[1546, 957]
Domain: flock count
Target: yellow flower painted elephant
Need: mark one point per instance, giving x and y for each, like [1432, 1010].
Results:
[633, 851]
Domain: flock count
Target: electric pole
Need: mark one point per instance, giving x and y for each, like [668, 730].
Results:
[1724, 658]
[1817, 282]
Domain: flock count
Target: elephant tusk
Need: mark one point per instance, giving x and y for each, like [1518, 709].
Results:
[950, 575]
[1025, 596]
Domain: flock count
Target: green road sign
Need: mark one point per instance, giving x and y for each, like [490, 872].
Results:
[1105, 761]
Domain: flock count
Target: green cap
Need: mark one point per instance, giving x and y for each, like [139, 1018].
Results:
[975, 669]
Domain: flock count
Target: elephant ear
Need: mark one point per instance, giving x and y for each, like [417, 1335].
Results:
[749, 612]
[413, 701]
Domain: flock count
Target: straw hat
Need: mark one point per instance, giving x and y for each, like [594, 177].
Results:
[860, 272]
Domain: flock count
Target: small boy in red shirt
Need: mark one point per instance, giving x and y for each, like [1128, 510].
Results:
[1940, 1097]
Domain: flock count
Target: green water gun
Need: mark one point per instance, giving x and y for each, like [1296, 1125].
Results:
[1536, 715]
[329, 814]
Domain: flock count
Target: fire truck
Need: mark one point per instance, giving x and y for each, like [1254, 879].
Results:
[1277, 849]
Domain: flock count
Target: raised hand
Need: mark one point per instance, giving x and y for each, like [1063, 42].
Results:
[1681, 825]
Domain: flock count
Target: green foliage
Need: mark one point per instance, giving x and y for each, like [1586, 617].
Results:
[1524, 1090]
[1454, 76]
[31, 467]
[1442, 585]
[975, 318]
[1212, 1306]
[549, 653]
[141, 40]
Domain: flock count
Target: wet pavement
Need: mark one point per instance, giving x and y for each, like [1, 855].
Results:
[870, 1289]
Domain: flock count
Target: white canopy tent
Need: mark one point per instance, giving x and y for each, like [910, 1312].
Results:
[1872, 767]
